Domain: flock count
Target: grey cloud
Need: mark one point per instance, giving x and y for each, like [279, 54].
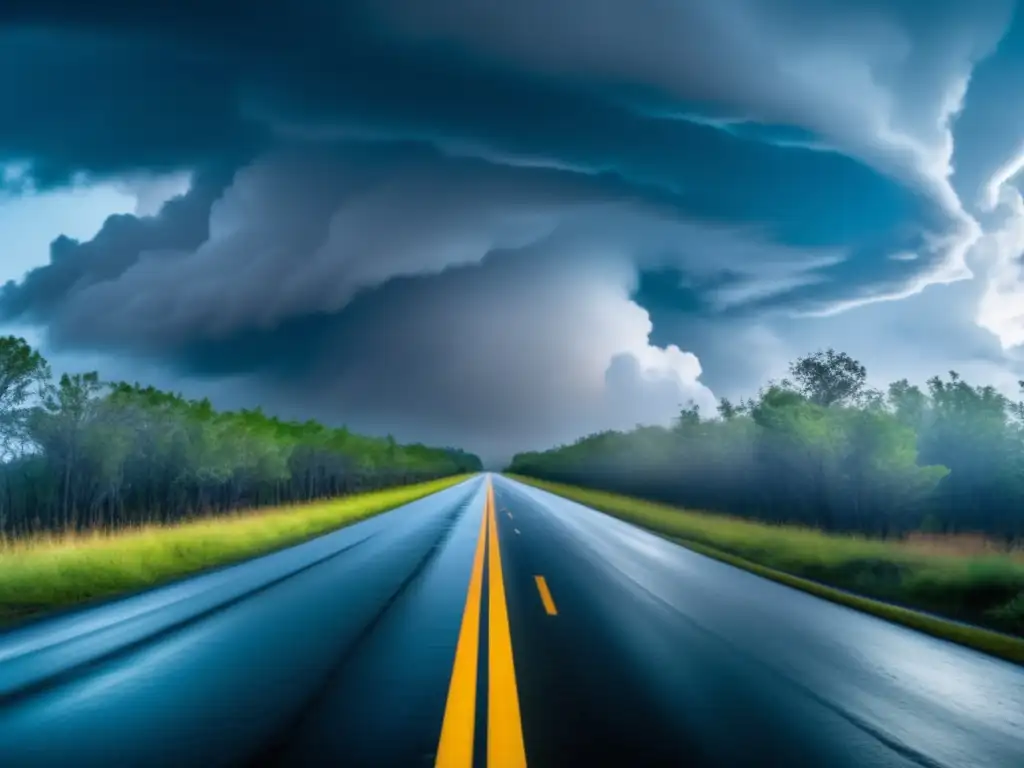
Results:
[782, 62]
[470, 260]
[303, 231]
[106, 104]
[226, 90]
[295, 232]
[151, 191]
[915, 338]
[842, 69]
[181, 225]
[526, 348]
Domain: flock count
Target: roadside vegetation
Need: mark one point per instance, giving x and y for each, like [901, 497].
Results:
[78, 454]
[108, 488]
[911, 496]
[38, 575]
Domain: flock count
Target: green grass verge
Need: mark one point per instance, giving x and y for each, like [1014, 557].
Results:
[883, 578]
[42, 575]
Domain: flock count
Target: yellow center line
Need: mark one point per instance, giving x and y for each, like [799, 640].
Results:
[455, 748]
[505, 747]
[545, 596]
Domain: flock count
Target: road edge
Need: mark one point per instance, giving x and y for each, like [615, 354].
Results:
[11, 621]
[997, 644]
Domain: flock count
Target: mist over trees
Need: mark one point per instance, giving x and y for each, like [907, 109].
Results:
[820, 448]
[78, 453]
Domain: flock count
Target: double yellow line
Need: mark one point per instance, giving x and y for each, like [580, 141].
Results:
[504, 726]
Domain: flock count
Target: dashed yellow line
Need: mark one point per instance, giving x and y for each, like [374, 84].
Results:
[545, 595]
[455, 749]
[505, 747]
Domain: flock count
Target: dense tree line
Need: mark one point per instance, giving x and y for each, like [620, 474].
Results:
[821, 448]
[78, 453]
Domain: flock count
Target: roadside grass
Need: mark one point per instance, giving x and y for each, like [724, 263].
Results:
[961, 544]
[975, 598]
[47, 573]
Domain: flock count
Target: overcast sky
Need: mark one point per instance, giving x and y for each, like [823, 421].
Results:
[502, 225]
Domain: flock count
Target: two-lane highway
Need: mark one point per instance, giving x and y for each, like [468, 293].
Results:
[496, 625]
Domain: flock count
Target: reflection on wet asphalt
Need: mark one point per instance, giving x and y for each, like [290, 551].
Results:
[628, 650]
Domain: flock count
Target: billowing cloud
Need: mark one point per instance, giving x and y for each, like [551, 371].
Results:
[518, 351]
[124, 239]
[518, 221]
[302, 232]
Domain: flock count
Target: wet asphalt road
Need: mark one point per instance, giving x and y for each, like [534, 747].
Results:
[639, 653]
[660, 656]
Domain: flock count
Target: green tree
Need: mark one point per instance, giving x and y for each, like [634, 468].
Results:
[823, 449]
[22, 372]
[98, 455]
[829, 377]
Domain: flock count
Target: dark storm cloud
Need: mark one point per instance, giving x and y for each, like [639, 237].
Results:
[181, 226]
[504, 355]
[787, 194]
[299, 231]
[374, 175]
[819, 64]
[303, 231]
[177, 100]
[94, 102]
[176, 86]
[182, 95]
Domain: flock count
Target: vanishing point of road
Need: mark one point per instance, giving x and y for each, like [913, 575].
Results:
[494, 624]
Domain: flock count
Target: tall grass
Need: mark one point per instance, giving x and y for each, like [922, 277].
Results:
[41, 574]
[972, 582]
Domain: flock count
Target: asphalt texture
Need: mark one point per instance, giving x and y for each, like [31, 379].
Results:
[628, 650]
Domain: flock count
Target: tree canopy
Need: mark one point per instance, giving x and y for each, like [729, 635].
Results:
[822, 449]
[82, 453]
